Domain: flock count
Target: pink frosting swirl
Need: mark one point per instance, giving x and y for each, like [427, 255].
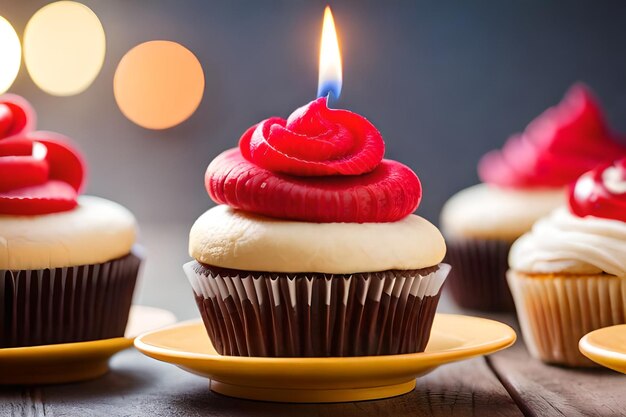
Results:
[556, 148]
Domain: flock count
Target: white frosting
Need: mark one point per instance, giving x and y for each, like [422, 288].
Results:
[96, 231]
[484, 211]
[234, 239]
[565, 243]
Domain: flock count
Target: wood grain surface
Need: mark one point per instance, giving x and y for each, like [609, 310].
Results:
[139, 386]
[544, 390]
[508, 383]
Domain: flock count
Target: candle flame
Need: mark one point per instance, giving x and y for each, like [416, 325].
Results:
[330, 71]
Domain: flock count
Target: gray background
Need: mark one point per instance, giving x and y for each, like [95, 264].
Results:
[443, 81]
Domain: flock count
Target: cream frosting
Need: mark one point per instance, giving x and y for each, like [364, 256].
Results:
[235, 239]
[489, 212]
[96, 231]
[565, 243]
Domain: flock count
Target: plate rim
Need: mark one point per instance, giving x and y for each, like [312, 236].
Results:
[86, 347]
[594, 352]
[83, 348]
[507, 339]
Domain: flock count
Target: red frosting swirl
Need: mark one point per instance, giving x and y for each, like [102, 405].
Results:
[16, 116]
[601, 192]
[40, 172]
[320, 165]
[314, 141]
[556, 148]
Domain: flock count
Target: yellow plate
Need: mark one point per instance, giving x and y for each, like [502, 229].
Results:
[453, 338]
[71, 362]
[606, 346]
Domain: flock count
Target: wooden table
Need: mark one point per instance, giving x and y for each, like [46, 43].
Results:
[508, 383]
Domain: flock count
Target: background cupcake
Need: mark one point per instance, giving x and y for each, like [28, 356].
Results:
[521, 183]
[67, 269]
[318, 254]
[568, 275]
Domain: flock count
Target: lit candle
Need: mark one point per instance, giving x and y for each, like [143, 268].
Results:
[320, 164]
[330, 72]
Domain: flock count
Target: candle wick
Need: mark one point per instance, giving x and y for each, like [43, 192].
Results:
[329, 98]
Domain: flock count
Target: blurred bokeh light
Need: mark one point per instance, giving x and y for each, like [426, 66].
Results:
[64, 47]
[11, 53]
[158, 84]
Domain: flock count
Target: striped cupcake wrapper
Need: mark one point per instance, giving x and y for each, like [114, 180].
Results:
[478, 278]
[71, 304]
[555, 312]
[288, 315]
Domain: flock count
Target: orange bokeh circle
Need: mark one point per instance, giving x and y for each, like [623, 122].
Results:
[158, 84]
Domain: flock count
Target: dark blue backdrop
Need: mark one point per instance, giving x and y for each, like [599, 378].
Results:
[444, 82]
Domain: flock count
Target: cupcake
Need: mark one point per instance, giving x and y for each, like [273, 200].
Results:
[67, 267]
[568, 274]
[524, 181]
[313, 250]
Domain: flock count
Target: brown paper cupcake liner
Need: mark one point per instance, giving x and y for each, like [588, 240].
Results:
[287, 315]
[63, 305]
[555, 312]
[478, 277]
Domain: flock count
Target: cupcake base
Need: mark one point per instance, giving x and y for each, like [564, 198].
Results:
[556, 311]
[308, 314]
[478, 279]
[64, 305]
